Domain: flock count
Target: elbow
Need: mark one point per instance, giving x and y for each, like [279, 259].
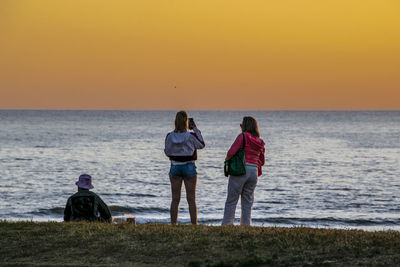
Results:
[201, 145]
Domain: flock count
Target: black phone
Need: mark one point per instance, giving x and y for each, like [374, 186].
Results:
[191, 123]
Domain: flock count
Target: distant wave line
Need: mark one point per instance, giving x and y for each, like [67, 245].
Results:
[128, 195]
[145, 211]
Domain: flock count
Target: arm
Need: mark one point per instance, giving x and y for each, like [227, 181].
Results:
[67, 212]
[261, 159]
[167, 146]
[235, 146]
[104, 211]
[198, 140]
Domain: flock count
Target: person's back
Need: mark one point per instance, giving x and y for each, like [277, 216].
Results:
[243, 186]
[181, 148]
[86, 205]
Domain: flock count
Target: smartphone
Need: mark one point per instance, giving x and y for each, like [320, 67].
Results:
[191, 123]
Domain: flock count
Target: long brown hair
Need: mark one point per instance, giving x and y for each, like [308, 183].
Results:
[181, 121]
[250, 125]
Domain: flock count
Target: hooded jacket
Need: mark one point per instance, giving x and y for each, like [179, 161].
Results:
[253, 149]
[182, 146]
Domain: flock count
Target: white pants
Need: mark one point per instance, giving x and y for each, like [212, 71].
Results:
[242, 186]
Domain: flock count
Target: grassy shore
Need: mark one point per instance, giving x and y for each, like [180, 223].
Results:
[96, 244]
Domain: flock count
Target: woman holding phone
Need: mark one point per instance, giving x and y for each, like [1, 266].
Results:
[181, 148]
[243, 186]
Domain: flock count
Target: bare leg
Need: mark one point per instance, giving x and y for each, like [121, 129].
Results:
[190, 186]
[176, 186]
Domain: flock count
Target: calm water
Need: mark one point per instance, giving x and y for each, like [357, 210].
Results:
[323, 169]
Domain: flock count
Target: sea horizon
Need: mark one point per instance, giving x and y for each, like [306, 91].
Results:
[90, 109]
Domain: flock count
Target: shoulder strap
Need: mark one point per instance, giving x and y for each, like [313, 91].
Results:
[243, 140]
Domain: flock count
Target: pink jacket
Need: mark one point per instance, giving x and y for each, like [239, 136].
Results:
[254, 149]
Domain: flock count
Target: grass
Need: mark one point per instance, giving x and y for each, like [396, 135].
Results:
[97, 244]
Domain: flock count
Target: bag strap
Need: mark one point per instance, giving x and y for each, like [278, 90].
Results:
[243, 140]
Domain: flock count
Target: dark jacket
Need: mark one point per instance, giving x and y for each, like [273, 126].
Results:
[86, 206]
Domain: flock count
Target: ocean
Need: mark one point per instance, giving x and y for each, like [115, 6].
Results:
[335, 169]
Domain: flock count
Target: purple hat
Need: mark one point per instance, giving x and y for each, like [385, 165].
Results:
[85, 181]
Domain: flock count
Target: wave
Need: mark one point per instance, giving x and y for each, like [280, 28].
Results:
[328, 221]
[152, 215]
[331, 222]
[318, 222]
[115, 210]
[128, 195]
[136, 210]
[51, 211]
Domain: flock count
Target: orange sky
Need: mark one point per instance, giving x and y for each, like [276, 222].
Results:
[220, 54]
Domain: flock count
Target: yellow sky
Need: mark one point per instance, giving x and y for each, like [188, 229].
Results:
[208, 54]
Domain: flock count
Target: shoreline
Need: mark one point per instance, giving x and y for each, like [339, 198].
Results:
[186, 221]
[99, 244]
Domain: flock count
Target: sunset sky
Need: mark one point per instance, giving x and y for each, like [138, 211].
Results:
[184, 54]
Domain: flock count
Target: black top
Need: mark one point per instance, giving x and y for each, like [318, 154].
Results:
[86, 206]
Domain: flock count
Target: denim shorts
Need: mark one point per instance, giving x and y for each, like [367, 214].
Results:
[187, 170]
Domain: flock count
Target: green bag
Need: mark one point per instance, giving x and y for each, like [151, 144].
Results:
[236, 165]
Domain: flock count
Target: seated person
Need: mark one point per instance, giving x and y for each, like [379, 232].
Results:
[86, 205]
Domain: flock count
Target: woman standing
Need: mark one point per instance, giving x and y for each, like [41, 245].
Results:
[181, 148]
[244, 185]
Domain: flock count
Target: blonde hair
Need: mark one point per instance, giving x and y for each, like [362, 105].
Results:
[181, 121]
[250, 125]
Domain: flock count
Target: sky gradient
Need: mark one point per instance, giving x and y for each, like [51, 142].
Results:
[175, 54]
